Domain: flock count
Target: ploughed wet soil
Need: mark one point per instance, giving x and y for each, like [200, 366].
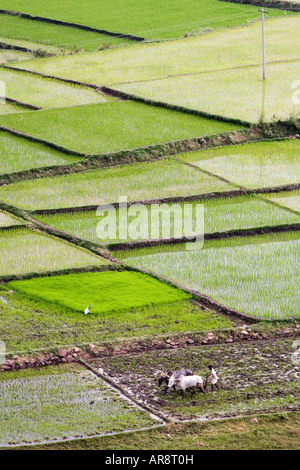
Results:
[262, 376]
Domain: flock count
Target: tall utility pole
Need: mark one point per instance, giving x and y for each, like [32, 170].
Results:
[263, 42]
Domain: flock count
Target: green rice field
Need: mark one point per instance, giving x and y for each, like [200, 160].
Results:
[103, 292]
[149, 222]
[26, 251]
[57, 39]
[10, 108]
[46, 93]
[217, 435]
[18, 154]
[29, 324]
[7, 220]
[33, 47]
[153, 20]
[232, 93]
[220, 215]
[289, 199]
[110, 127]
[238, 273]
[8, 57]
[76, 402]
[139, 181]
[206, 53]
[259, 165]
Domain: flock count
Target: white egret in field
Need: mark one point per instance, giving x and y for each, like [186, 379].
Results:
[87, 310]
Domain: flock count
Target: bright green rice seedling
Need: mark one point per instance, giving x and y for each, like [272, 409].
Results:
[7, 220]
[289, 199]
[21, 318]
[113, 126]
[246, 96]
[259, 165]
[45, 93]
[24, 251]
[103, 292]
[152, 19]
[219, 215]
[140, 181]
[55, 37]
[17, 154]
[75, 402]
[258, 276]
[215, 51]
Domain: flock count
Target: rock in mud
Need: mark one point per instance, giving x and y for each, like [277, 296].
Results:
[62, 352]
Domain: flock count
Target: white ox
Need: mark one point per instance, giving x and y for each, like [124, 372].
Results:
[176, 375]
[189, 382]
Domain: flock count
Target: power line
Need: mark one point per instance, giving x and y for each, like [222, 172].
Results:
[199, 24]
[207, 22]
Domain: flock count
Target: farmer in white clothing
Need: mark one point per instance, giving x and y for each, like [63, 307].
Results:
[212, 376]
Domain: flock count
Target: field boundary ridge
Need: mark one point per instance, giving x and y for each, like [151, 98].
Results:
[148, 153]
[43, 19]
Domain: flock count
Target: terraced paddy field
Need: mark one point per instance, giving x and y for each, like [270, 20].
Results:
[34, 49]
[57, 38]
[29, 324]
[290, 199]
[140, 181]
[206, 53]
[232, 94]
[114, 126]
[275, 431]
[7, 221]
[260, 165]
[220, 215]
[18, 154]
[76, 402]
[26, 251]
[31, 49]
[110, 127]
[153, 20]
[45, 93]
[119, 291]
[231, 300]
[255, 377]
[9, 108]
[10, 56]
[258, 276]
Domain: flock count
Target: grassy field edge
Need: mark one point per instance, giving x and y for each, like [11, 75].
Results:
[267, 431]
[145, 154]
